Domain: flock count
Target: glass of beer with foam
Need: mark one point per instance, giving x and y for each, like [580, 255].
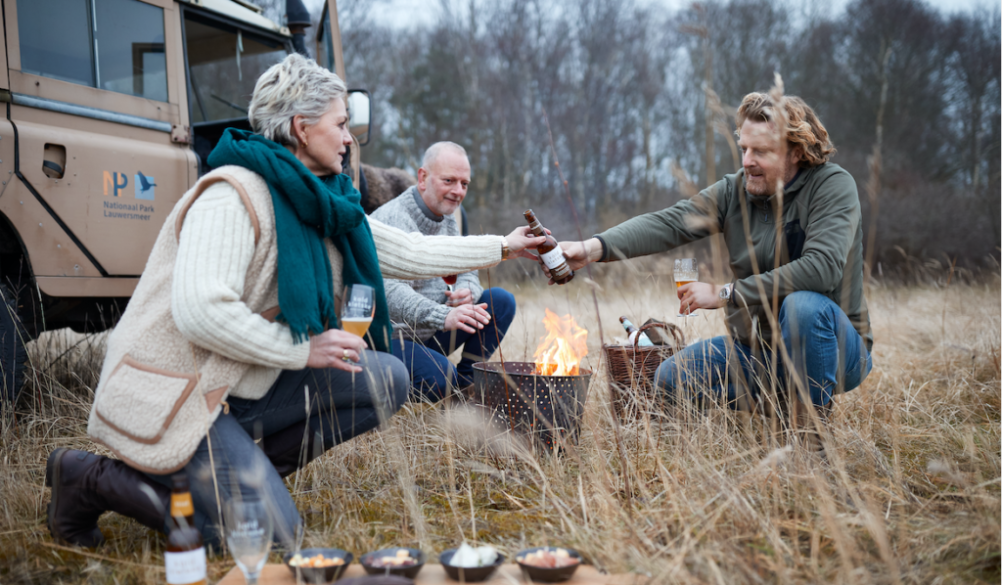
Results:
[686, 272]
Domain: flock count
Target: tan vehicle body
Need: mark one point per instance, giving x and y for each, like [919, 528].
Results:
[89, 173]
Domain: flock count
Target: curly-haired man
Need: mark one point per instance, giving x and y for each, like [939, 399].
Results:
[791, 223]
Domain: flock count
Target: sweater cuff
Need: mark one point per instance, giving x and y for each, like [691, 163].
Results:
[299, 355]
[438, 317]
[605, 249]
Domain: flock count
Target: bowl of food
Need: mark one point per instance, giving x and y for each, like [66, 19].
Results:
[405, 562]
[318, 565]
[549, 564]
[470, 565]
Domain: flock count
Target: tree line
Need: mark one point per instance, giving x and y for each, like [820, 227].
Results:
[640, 102]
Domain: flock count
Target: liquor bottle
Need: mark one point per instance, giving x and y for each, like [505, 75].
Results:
[184, 558]
[632, 330]
[550, 252]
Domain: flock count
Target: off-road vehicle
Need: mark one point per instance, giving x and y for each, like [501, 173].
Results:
[111, 108]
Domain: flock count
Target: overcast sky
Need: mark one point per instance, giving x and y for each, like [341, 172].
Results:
[411, 12]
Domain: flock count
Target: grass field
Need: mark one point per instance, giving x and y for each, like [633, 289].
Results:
[910, 492]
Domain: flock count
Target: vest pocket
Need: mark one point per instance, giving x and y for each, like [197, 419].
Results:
[140, 401]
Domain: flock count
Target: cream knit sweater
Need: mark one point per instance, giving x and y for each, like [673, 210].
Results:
[200, 325]
[215, 250]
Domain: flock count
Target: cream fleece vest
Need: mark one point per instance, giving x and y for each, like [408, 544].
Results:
[159, 393]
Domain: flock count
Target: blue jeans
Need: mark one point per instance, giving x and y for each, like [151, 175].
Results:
[431, 371]
[337, 405]
[828, 354]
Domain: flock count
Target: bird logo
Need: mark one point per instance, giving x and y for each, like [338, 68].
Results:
[145, 186]
[146, 183]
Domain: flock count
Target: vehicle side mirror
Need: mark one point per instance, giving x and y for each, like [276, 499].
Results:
[359, 115]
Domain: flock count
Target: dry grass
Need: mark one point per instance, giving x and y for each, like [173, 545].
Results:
[910, 493]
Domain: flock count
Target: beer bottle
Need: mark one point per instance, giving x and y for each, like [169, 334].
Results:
[550, 252]
[632, 330]
[184, 558]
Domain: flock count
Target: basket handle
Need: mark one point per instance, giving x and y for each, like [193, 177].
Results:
[676, 333]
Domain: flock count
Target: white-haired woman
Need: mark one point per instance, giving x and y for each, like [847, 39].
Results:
[231, 335]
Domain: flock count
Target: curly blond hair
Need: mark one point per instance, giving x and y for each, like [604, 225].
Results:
[804, 131]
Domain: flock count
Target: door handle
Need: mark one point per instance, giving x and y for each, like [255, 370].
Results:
[54, 161]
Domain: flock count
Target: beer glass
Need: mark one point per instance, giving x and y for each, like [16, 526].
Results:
[358, 307]
[685, 272]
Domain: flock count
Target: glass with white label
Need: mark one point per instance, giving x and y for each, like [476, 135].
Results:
[686, 272]
[359, 307]
[249, 529]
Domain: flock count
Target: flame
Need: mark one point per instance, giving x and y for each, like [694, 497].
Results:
[564, 346]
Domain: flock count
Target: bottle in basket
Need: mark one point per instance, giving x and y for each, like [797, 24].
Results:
[632, 331]
[550, 252]
[184, 558]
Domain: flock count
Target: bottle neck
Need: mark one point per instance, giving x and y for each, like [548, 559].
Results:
[536, 228]
[181, 507]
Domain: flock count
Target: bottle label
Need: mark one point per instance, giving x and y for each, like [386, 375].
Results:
[180, 504]
[553, 258]
[185, 567]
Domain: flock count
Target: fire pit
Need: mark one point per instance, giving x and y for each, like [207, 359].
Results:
[547, 408]
[545, 398]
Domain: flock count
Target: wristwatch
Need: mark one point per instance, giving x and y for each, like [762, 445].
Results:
[504, 248]
[725, 292]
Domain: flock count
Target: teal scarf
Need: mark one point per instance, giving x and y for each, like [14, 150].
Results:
[307, 210]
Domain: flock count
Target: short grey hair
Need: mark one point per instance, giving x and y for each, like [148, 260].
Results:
[436, 149]
[296, 86]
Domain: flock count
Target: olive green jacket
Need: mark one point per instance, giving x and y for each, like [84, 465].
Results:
[820, 244]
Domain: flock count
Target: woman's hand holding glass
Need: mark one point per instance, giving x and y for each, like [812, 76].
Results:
[341, 349]
[336, 349]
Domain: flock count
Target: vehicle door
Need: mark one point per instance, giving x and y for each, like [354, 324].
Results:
[98, 108]
[225, 57]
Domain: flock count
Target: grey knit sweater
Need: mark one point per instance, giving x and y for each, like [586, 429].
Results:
[417, 307]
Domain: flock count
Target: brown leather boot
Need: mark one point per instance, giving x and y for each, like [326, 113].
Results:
[85, 485]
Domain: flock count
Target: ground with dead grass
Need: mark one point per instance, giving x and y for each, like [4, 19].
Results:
[910, 492]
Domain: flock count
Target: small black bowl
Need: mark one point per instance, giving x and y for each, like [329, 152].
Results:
[319, 574]
[468, 574]
[409, 572]
[544, 575]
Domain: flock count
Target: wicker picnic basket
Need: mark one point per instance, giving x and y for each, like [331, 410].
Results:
[631, 369]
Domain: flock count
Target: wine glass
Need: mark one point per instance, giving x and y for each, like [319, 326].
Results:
[248, 533]
[450, 281]
[358, 307]
[686, 272]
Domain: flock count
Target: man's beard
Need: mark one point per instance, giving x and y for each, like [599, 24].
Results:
[761, 187]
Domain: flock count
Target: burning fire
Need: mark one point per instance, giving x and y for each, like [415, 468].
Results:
[564, 346]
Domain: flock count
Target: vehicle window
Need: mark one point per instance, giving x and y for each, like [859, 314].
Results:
[59, 38]
[130, 48]
[55, 39]
[325, 46]
[225, 63]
